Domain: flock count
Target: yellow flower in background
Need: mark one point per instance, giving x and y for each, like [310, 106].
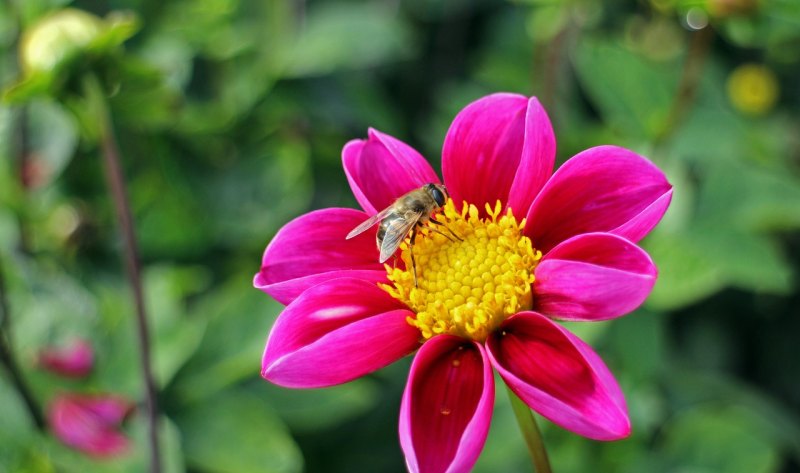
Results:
[64, 44]
[753, 89]
[57, 36]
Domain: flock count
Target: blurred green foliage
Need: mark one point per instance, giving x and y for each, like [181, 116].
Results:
[231, 115]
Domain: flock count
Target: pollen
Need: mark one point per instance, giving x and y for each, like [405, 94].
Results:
[470, 280]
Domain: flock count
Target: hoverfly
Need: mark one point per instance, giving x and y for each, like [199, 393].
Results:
[405, 215]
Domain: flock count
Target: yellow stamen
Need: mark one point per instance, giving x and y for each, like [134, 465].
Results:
[467, 288]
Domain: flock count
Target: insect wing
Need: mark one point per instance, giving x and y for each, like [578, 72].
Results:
[396, 232]
[368, 223]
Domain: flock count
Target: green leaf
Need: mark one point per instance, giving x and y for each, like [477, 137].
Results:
[769, 200]
[52, 139]
[27, 88]
[239, 319]
[685, 273]
[142, 98]
[695, 265]
[702, 145]
[714, 438]
[726, 241]
[771, 421]
[17, 432]
[118, 27]
[498, 66]
[639, 342]
[276, 188]
[545, 22]
[746, 260]
[312, 410]
[176, 333]
[348, 36]
[237, 432]
[53, 303]
[632, 94]
[172, 459]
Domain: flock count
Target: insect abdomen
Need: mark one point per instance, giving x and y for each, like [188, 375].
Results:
[386, 224]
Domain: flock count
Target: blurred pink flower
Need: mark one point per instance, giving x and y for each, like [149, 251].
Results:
[537, 246]
[90, 423]
[73, 361]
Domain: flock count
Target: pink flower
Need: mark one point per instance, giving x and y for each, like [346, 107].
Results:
[537, 246]
[74, 361]
[90, 423]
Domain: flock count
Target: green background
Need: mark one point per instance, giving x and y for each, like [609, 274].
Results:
[231, 116]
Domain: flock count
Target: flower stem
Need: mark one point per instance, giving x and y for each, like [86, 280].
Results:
[552, 66]
[10, 362]
[530, 432]
[113, 172]
[699, 47]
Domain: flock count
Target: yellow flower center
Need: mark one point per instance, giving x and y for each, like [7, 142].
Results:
[468, 283]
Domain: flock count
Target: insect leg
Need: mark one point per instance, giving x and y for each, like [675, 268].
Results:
[436, 222]
[433, 229]
[411, 250]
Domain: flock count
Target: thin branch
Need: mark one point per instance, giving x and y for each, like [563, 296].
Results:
[116, 184]
[19, 141]
[10, 362]
[22, 161]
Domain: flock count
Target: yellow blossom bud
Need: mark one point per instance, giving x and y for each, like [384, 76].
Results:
[752, 89]
[54, 38]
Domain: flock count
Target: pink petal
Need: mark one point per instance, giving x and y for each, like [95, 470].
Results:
[74, 361]
[109, 408]
[559, 376]
[447, 406]
[483, 149]
[335, 332]
[594, 276]
[90, 423]
[382, 168]
[602, 189]
[538, 156]
[312, 248]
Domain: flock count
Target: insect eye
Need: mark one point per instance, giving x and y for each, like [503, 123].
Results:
[438, 196]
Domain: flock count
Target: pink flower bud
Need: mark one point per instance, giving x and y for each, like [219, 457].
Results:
[74, 361]
[90, 423]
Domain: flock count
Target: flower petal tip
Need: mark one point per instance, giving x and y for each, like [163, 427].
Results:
[603, 189]
[559, 376]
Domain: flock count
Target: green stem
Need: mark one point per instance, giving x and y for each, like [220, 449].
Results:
[531, 434]
[551, 66]
[691, 74]
[116, 183]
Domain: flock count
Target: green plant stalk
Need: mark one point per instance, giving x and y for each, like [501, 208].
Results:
[551, 66]
[10, 362]
[116, 183]
[691, 74]
[531, 434]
